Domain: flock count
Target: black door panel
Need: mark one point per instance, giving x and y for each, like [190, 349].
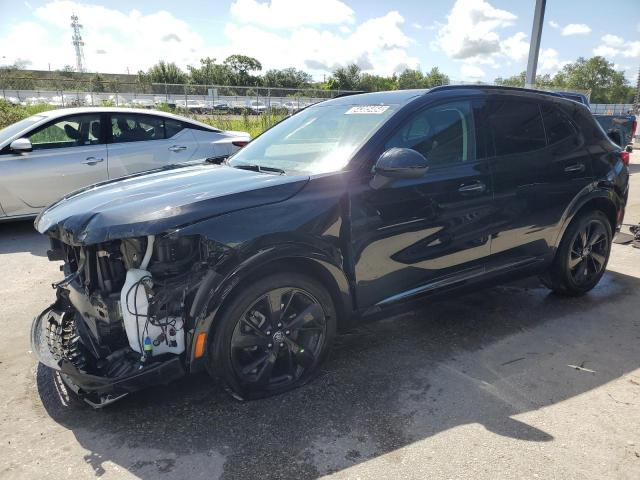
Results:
[532, 188]
[416, 232]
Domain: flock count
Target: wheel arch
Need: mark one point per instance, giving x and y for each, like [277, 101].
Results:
[601, 199]
[222, 289]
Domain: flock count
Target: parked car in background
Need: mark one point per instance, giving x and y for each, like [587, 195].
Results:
[352, 207]
[50, 154]
[619, 128]
[221, 106]
[291, 107]
[254, 107]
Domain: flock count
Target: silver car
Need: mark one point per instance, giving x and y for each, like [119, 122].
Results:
[50, 154]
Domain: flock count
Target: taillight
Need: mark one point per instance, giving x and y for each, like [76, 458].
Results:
[625, 157]
[240, 143]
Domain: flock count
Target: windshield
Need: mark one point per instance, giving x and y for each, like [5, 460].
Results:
[319, 139]
[15, 128]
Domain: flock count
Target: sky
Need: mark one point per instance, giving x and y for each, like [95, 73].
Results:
[468, 40]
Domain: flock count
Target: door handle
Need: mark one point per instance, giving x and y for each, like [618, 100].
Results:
[578, 167]
[471, 188]
[92, 160]
[177, 148]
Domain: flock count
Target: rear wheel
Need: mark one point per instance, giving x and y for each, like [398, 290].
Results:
[273, 336]
[582, 257]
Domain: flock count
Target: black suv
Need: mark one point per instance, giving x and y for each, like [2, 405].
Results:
[340, 212]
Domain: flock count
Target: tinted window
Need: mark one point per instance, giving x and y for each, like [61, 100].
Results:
[442, 134]
[557, 126]
[68, 132]
[136, 128]
[172, 127]
[515, 127]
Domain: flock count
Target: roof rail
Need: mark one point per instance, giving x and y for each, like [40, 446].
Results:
[492, 87]
[353, 92]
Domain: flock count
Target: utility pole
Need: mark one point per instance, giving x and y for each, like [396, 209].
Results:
[636, 101]
[78, 43]
[534, 46]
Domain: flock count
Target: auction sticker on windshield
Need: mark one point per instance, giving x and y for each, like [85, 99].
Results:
[367, 109]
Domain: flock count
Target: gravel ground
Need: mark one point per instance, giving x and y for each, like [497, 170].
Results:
[477, 387]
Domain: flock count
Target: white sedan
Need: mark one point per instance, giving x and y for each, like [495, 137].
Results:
[50, 154]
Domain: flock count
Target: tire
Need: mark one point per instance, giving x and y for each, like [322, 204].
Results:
[258, 351]
[577, 268]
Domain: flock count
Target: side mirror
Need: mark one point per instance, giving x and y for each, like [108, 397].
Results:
[397, 163]
[21, 145]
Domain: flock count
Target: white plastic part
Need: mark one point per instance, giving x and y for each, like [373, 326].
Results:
[134, 302]
[147, 255]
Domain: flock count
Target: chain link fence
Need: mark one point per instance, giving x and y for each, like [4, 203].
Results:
[185, 98]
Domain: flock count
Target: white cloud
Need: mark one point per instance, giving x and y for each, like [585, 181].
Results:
[471, 71]
[472, 35]
[377, 45]
[549, 61]
[515, 47]
[553, 24]
[613, 46]
[417, 26]
[612, 40]
[470, 29]
[291, 13]
[116, 40]
[132, 39]
[576, 29]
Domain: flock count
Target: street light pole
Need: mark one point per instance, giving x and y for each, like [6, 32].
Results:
[534, 46]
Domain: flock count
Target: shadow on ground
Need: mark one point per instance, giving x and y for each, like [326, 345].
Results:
[482, 358]
[22, 237]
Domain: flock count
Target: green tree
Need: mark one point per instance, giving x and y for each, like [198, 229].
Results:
[97, 83]
[163, 72]
[377, 83]
[513, 81]
[210, 73]
[435, 78]
[241, 67]
[597, 75]
[411, 79]
[287, 78]
[345, 78]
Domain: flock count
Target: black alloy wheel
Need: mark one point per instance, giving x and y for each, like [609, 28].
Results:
[588, 253]
[582, 256]
[273, 336]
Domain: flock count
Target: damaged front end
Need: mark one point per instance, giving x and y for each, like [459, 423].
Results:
[121, 320]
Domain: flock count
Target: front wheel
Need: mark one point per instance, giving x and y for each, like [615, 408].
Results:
[582, 256]
[273, 336]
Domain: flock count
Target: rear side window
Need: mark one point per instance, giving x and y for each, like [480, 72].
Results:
[172, 127]
[556, 124]
[136, 128]
[515, 127]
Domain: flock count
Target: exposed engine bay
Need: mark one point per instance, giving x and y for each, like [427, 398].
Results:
[122, 306]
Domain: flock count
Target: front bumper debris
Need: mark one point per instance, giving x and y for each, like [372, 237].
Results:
[96, 390]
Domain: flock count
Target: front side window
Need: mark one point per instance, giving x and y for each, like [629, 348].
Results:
[136, 128]
[320, 139]
[515, 127]
[442, 134]
[69, 132]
